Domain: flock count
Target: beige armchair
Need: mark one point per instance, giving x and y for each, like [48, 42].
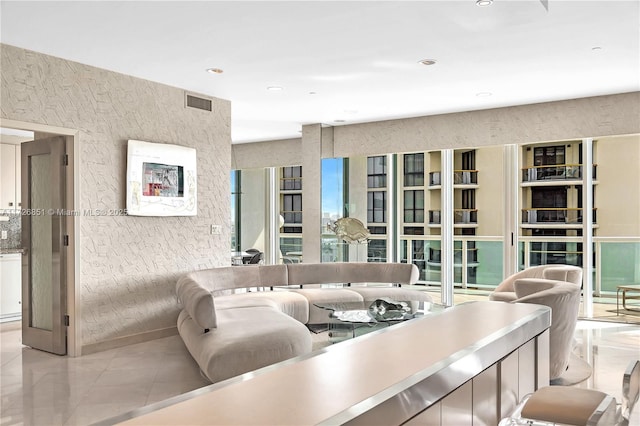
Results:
[564, 300]
[505, 292]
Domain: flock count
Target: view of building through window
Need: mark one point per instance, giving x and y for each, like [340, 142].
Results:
[549, 208]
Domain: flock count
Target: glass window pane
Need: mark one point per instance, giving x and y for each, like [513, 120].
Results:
[619, 264]
[408, 199]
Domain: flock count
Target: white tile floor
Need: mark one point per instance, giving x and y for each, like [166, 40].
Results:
[38, 388]
[42, 389]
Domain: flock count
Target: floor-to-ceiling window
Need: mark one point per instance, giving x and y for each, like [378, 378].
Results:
[334, 198]
[549, 207]
[290, 190]
[236, 208]
[377, 207]
[552, 200]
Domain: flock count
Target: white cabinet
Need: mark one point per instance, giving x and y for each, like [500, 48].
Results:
[10, 285]
[10, 183]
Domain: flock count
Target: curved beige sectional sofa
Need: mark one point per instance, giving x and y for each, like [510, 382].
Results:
[231, 334]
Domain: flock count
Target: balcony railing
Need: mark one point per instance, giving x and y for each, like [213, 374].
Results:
[555, 172]
[435, 178]
[460, 217]
[478, 260]
[425, 252]
[460, 177]
[291, 184]
[465, 177]
[567, 216]
[291, 248]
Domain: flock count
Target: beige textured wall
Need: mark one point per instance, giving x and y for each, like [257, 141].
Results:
[571, 119]
[311, 192]
[253, 201]
[549, 121]
[617, 195]
[129, 265]
[285, 152]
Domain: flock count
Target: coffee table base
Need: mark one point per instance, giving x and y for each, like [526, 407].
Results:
[339, 332]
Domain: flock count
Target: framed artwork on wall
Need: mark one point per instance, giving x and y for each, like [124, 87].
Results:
[161, 179]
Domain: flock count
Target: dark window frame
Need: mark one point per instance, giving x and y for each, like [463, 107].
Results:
[413, 212]
[377, 172]
[375, 212]
[414, 169]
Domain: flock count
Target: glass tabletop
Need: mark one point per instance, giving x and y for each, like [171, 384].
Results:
[380, 310]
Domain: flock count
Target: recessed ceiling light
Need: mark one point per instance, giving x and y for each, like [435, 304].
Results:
[483, 3]
[338, 121]
[596, 48]
[427, 61]
[484, 94]
[312, 93]
[274, 88]
[214, 71]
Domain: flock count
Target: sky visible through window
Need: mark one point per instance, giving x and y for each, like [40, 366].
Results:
[332, 187]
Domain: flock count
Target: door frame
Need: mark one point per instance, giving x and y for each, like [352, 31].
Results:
[74, 339]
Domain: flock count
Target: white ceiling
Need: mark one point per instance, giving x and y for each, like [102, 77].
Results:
[359, 57]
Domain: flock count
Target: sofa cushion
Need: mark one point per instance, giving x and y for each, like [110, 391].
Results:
[503, 296]
[399, 294]
[233, 277]
[293, 304]
[243, 300]
[246, 339]
[526, 286]
[197, 289]
[326, 295]
[570, 274]
[326, 273]
[197, 301]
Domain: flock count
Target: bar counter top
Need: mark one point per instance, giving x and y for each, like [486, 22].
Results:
[341, 383]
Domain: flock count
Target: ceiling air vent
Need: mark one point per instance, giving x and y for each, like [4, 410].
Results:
[199, 103]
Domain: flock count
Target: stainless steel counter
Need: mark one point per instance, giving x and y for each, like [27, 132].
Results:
[387, 377]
